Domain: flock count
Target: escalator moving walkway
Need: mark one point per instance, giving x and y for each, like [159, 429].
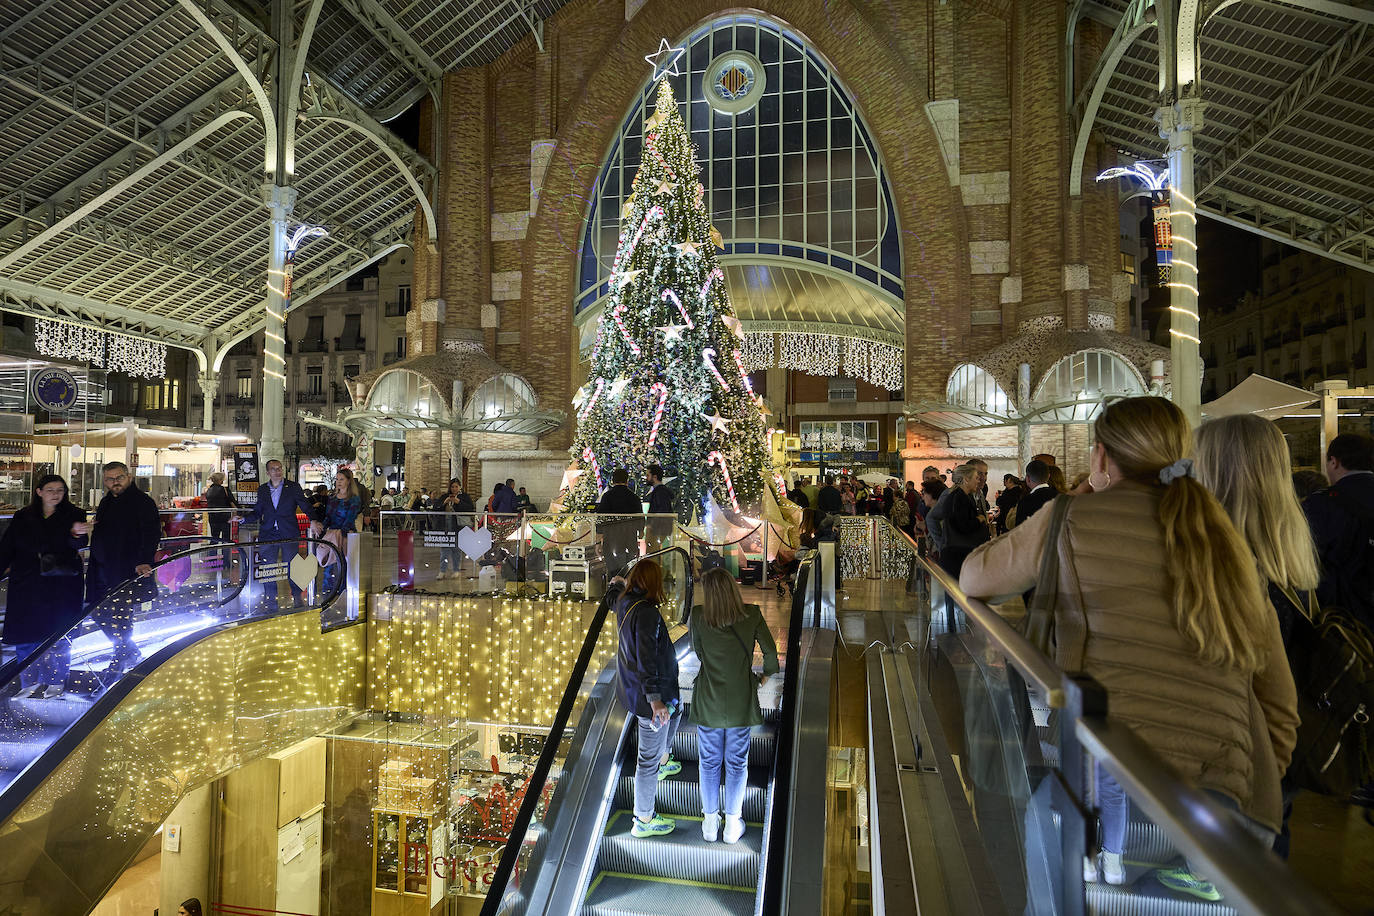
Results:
[682, 873]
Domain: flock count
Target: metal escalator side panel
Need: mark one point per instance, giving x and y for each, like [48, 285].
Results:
[560, 865]
[236, 694]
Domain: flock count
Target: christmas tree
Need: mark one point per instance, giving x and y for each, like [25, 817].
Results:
[667, 384]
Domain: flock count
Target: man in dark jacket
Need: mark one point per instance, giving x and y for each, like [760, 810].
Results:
[217, 497]
[1038, 492]
[828, 499]
[275, 512]
[123, 542]
[1342, 520]
[619, 538]
[503, 500]
[662, 502]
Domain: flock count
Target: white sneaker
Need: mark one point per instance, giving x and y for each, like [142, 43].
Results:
[1090, 870]
[1113, 872]
[734, 828]
[710, 827]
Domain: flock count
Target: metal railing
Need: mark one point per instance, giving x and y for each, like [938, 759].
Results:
[1252, 880]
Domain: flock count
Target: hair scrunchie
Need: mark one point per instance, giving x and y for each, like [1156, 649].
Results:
[1183, 467]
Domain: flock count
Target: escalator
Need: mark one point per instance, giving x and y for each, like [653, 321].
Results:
[243, 652]
[576, 854]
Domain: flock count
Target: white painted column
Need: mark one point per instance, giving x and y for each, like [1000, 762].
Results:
[1177, 125]
[209, 387]
[280, 200]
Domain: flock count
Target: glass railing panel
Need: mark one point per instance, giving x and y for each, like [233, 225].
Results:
[141, 621]
[122, 754]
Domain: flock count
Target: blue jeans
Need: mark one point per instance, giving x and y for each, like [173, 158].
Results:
[652, 744]
[731, 747]
[1113, 811]
[49, 668]
[448, 559]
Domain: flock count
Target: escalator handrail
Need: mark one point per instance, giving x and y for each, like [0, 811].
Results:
[29, 779]
[500, 878]
[775, 841]
[1202, 827]
[11, 668]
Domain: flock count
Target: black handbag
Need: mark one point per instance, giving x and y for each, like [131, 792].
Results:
[54, 564]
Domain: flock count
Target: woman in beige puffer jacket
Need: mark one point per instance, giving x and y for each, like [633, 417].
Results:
[1159, 602]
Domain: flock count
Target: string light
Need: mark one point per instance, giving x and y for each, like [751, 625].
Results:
[103, 349]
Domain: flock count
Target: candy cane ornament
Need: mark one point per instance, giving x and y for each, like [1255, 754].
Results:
[718, 458]
[589, 456]
[624, 332]
[626, 254]
[708, 356]
[739, 361]
[662, 390]
[669, 294]
[586, 410]
[716, 274]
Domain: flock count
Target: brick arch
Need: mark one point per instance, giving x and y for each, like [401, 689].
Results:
[933, 226]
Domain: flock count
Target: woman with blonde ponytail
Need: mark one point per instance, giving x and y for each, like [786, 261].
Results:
[1160, 602]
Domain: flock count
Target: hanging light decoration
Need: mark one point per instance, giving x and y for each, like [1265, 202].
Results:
[878, 364]
[102, 349]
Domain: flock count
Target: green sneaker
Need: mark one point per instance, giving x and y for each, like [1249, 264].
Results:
[659, 826]
[671, 768]
[1182, 881]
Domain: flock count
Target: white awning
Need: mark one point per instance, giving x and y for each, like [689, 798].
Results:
[1261, 396]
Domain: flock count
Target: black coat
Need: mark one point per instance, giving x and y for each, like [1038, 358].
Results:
[127, 531]
[217, 497]
[662, 501]
[829, 500]
[1342, 520]
[646, 665]
[1032, 503]
[39, 606]
[963, 528]
[619, 500]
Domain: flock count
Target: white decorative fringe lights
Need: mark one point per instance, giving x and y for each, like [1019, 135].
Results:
[102, 349]
[826, 355]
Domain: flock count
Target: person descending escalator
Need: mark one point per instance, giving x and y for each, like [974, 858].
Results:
[725, 702]
[646, 671]
[1159, 602]
[39, 551]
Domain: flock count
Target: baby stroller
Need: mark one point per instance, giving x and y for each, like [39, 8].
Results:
[782, 571]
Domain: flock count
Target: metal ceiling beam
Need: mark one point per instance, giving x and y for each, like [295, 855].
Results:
[41, 302]
[384, 28]
[481, 21]
[1252, 220]
[518, 11]
[1349, 49]
[1133, 24]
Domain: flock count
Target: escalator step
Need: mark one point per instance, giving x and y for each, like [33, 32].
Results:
[1147, 898]
[20, 745]
[614, 894]
[682, 854]
[761, 742]
[682, 793]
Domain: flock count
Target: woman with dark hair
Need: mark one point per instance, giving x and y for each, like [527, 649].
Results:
[39, 550]
[647, 671]
[190, 907]
[340, 515]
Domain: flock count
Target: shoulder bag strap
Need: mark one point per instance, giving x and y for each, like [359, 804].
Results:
[1040, 614]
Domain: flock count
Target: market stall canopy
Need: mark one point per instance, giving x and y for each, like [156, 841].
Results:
[1262, 396]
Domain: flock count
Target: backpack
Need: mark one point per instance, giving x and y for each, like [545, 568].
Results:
[901, 513]
[1331, 655]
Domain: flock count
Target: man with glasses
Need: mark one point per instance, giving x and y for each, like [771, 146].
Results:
[278, 532]
[124, 538]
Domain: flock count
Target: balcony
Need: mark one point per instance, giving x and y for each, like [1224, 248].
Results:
[311, 397]
[240, 400]
[349, 344]
[1312, 329]
[1293, 378]
[1335, 321]
[392, 357]
[1337, 369]
[1245, 350]
[313, 346]
[1273, 341]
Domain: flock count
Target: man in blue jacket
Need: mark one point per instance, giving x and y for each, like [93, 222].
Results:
[275, 512]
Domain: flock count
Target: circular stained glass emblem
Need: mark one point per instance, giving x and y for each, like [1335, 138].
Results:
[733, 82]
